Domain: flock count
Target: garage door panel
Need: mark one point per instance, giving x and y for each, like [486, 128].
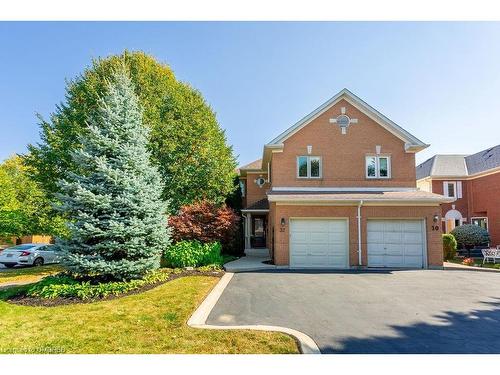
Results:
[375, 237]
[376, 249]
[395, 243]
[412, 226]
[319, 237]
[413, 250]
[392, 226]
[318, 243]
[392, 249]
[298, 236]
[377, 260]
[393, 237]
[393, 261]
[414, 238]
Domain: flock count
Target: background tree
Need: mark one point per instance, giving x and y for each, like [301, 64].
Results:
[118, 222]
[24, 207]
[185, 139]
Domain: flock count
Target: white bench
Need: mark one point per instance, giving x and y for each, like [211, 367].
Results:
[491, 255]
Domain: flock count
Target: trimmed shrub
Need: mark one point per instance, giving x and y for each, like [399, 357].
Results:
[205, 222]
[449, 246]
[67, 287]
[469, 235]
[193, 254]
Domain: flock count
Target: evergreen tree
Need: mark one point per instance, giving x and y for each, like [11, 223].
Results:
[117, 219]
[185, 139]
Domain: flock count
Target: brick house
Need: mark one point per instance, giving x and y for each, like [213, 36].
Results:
[473, 181]
[338, 190]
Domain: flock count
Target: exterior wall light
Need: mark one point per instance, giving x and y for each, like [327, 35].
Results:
[435, 218]
[283, 222]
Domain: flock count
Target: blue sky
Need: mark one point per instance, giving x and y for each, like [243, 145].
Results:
[440, 81]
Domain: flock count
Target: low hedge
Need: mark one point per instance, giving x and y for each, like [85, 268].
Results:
[67, 287]
[193, 254]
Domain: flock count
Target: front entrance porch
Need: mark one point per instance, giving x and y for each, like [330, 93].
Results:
[255, 219]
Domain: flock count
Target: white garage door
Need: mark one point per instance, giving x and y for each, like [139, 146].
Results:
[396, 243]
[318, 243]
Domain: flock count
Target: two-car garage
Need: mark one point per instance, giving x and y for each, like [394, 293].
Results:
[324, 243]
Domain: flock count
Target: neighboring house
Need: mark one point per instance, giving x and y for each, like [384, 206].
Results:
[338, 190]
[473, 181]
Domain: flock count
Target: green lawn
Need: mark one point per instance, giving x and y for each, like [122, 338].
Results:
[149, 322]
[28, 274]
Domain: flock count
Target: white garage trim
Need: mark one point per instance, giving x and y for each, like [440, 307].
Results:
[423, 226]
[330, 245]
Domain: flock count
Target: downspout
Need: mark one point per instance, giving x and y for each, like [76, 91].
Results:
[359, 234]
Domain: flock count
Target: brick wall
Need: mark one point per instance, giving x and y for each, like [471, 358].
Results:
[253, 192]
[281, 254]
[343, 156]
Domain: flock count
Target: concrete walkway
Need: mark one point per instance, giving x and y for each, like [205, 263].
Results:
[253, 261]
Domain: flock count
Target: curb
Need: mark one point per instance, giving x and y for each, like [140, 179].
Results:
[473, 269]
[200, 316]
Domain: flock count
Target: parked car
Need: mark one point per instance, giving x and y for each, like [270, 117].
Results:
[30, 254]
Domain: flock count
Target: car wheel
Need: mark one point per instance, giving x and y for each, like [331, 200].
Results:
[38, 262]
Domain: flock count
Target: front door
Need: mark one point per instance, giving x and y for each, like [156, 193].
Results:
[258, 238]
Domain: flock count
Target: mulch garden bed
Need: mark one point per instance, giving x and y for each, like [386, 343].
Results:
[22, 299]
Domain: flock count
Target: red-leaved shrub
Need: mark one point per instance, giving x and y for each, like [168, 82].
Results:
[205, 222]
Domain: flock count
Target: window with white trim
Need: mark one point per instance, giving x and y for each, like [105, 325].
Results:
[450, 189]
[308, 167]
[378, 166]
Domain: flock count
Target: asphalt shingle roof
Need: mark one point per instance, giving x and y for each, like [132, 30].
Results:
[483, 160]
[262, 204]
[460, 165]
[256, 164]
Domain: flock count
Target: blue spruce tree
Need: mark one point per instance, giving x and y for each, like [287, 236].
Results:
[117, 220]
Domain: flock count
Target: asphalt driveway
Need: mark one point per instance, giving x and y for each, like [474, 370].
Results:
[427, 311]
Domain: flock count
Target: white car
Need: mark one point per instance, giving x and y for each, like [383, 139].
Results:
[30, 254]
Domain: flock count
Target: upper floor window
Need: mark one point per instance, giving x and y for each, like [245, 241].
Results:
[308, 167]
[451, 189]
[378, 167]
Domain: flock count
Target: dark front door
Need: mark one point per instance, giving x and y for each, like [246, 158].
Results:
[258, 238]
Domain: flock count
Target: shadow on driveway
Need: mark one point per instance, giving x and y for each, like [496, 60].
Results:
[477, 331]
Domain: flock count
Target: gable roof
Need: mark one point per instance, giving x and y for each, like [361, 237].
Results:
[254, 165]
[412, 143]
[460, 165]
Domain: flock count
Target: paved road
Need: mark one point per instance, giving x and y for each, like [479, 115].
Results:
[427, 311]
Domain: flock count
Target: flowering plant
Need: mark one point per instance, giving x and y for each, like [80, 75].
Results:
[468, 262]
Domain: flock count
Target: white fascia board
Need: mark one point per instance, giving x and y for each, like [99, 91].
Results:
[336, 189]
[412, 141]
[294, 200]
